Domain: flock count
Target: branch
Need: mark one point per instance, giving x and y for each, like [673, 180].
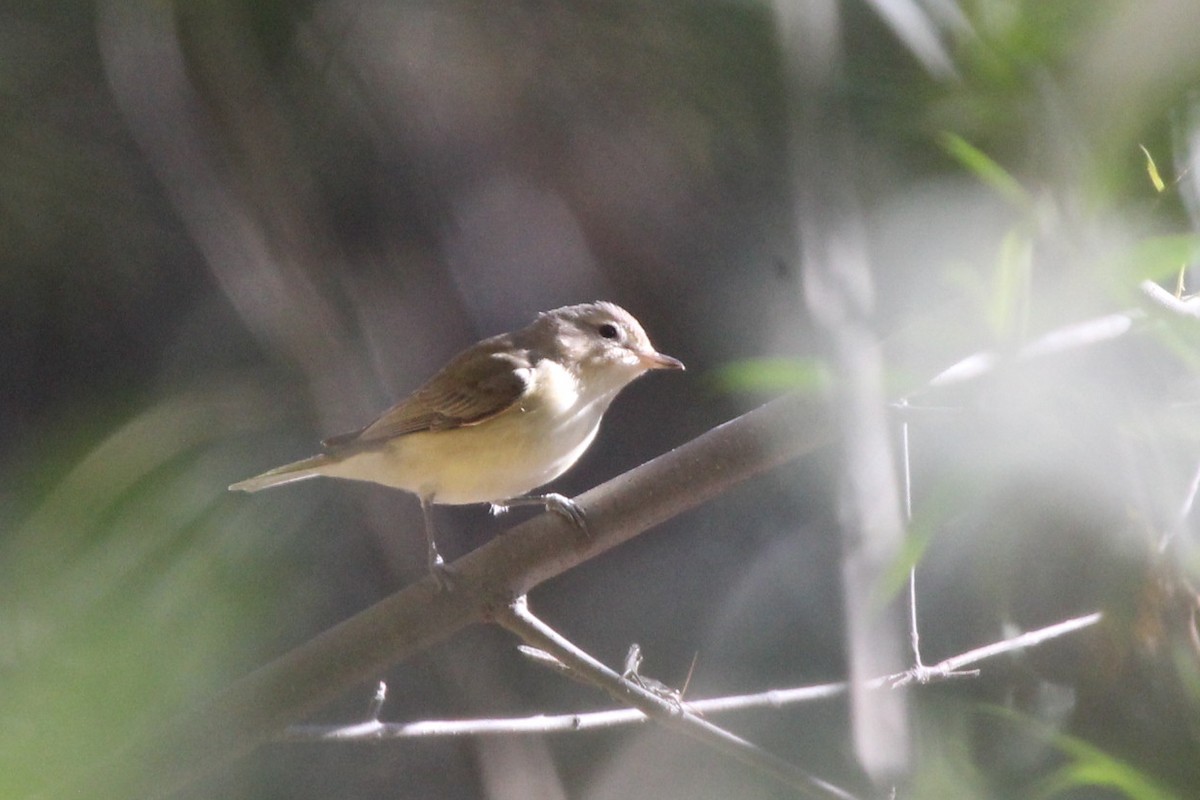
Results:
[374, 730]
[256, 708]
[1077, 335]
[1163, 301]
[521, 621]
[282, 693]
[951, 666]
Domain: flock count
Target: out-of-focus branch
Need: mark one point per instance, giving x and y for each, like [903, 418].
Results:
[233, 178]
[1162, 300]
[950, 667]
[838, 290]
[284, 692]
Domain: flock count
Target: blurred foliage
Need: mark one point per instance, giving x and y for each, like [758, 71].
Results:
[987, 170]
[1085, 767]
[333, 197]
[132, 590]
[771, 376]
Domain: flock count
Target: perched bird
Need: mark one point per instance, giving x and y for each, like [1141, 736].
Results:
[505, 416]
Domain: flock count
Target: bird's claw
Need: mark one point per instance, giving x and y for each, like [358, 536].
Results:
[566, 507]
[442, 574]
[559, 504]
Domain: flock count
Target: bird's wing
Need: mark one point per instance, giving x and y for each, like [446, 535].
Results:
[474, 387]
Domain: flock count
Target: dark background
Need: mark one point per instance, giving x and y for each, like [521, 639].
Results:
[230, 229]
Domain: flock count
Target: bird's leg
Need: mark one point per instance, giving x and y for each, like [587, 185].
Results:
[557, 503]
[437, 565]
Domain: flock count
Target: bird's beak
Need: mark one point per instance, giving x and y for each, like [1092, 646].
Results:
[654, 360]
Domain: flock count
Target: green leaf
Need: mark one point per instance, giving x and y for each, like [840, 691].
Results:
[1152, 171]
[1088, 765]
[935, 508]
[770, 375]
[1158, 258]
[987, 170]
[1008, 311]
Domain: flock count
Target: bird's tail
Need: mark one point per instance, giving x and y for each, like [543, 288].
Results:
[288, 473]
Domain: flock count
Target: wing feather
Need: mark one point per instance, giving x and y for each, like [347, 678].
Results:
[475, 386]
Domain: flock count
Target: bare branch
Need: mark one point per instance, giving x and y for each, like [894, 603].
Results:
[774, 698]
[1075, 336]
[1162, 300]
[536, 723]
[951, 666]
[256, 708]
[521, 621]
[839, 294]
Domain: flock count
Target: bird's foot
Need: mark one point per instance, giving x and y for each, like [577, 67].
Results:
[559, 504]
[442, 574]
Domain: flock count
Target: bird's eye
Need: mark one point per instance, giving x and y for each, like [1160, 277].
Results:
[608, 330]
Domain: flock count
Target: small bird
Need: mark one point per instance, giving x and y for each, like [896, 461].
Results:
[503, 417]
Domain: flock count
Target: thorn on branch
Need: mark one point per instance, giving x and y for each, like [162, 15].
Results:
[631, 673]
[376, 705]
[633, 661]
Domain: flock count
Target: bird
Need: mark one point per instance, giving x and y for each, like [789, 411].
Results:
[505, 416]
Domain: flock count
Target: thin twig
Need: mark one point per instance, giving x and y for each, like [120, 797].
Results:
[914, 635]
[535, 723]
[518, 619]
[951, 666]
[592, 720]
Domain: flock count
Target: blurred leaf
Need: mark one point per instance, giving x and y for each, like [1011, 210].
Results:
[771, 375]
[930, 516]
[1008, 309]
[1088, 766]
[1157, 258]
[987, 170]
[896, 577]
[1092, 767]
[1110, 773]
[947, 766]
[128, 591]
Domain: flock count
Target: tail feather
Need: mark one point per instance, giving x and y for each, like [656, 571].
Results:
[288, 473]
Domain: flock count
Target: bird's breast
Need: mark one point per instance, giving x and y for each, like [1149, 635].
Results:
[518, 450]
